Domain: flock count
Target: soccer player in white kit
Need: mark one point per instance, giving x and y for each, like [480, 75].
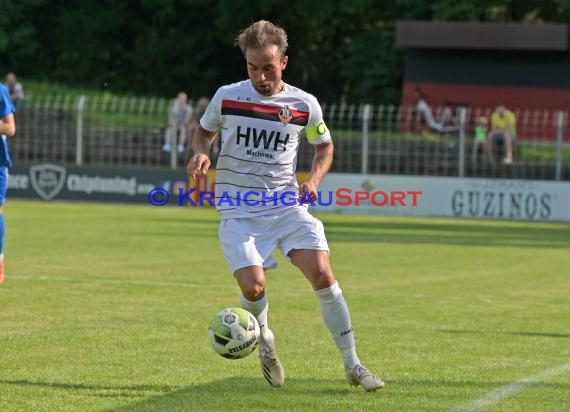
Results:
[260, 122]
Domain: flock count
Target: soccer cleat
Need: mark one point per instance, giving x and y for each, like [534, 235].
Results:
[271, 367]
[166, 148]
[1, 270]
[359, 375]
[181, 148]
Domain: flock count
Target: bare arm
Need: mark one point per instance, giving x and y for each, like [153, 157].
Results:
[8, 126]
[322, 162]
[201, 142]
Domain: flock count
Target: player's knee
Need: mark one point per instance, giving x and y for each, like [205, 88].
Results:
[322, 278]
[254, 291]
[251, 281]
[252, 288]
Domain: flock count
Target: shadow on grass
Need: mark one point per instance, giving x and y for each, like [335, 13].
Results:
[236, 393]
[103, 391]
[456, 233]
[298, 394]
[202, 233]
[244, 394]
[531, 334]
[187, 219]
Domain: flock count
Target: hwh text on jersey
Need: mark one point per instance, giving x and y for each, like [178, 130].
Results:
[261, 137]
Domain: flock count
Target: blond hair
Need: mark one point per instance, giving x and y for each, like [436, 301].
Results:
[261, 34]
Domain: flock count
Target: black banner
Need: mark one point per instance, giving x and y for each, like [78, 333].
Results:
[51, 181]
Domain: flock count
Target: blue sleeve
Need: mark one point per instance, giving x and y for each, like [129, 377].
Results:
[6, 106]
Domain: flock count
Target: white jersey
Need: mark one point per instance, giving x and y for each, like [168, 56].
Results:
[255, 174]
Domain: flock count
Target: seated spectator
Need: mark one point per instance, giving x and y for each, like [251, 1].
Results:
[480, 137]
[15, 89]
[503, 132]
[178, 118]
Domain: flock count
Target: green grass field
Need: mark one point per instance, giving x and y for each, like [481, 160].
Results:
[106, 307]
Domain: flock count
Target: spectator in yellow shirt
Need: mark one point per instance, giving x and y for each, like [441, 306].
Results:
[503, 130]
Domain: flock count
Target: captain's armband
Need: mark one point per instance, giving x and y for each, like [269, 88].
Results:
[316, 131]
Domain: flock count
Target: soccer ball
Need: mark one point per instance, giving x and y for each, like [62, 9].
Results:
[234, 333]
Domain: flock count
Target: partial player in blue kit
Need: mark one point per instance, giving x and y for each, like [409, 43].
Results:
[7, 129]
[260, 122]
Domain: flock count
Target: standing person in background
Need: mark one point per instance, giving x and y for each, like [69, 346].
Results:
[241, 113]
[15, 89]
[178, 118]
[203, 103]
[7, 129]
[201, 107]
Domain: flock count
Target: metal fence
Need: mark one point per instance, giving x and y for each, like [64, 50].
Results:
[119, 131]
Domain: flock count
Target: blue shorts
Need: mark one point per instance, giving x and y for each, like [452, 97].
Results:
[3, 184]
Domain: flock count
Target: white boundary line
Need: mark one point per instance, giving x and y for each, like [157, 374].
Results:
[109, 281]
[511, 389]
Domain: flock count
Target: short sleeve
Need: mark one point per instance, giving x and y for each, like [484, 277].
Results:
[211, 119]
[316, 130]
[6, 106]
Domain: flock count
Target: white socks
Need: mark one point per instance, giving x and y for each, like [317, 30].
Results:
[335, 313]
[337, 319]
[259, 310]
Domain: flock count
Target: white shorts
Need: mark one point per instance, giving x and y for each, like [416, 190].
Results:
[250, 241]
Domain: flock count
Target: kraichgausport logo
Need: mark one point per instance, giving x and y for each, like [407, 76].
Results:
[341, 197]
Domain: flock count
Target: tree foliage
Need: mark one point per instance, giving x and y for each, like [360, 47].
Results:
[338, 50]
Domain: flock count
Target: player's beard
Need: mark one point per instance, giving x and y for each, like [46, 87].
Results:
[270, 89]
